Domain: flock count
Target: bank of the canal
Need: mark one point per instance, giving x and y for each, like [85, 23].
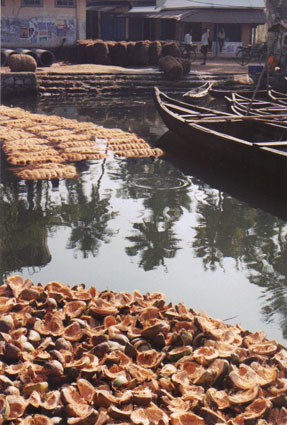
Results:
[101, 80]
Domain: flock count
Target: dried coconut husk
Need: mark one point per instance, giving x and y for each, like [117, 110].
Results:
[130, 52]
[155, 52]
[118, 53]
[98, 52]
[40, 151]
[141, 53]
[22, 63]
[171, 67]
[170, 49]
[186, 65]
[81, 51]
[114, 371]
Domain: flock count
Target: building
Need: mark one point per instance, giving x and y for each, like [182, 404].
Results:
[172, 20]
[42, 23]
[52, 23]
[108, 20]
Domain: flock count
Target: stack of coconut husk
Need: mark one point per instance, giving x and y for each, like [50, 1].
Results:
[174, 68]
[80, 356]
[124, 53]
[40, 146]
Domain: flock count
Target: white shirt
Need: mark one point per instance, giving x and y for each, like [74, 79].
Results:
[188, 38]
[204, 38]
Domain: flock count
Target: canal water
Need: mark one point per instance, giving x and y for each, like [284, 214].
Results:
[177, 225]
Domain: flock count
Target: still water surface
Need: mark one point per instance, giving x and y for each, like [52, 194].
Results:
[152, 225]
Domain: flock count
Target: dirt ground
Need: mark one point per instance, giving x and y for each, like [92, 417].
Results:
[217, 66]
[213, 66]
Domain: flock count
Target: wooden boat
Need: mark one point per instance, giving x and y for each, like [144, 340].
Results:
[247, 140]
[196, 94]
[253, 107]
[278, 97]
[263, 191]
[220, 92]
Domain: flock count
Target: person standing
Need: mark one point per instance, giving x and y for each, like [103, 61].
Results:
[205, 44]
[221, 38]
[188, 42]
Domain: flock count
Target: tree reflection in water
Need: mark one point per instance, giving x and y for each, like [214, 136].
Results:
[29, 213]
[154, 238]
[225, 227]
[255, 240]
[88, 216]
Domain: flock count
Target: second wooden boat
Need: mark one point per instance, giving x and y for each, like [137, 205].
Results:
[196, 94]
[247, 140]
[220, 92]
[278, 97]
[253, 106]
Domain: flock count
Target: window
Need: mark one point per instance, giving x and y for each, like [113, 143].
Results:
[32, 3]
[65, 3]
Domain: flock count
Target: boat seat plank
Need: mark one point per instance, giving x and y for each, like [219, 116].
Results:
[182, 109]
[262, 144]
[275, 151]
[197, 115]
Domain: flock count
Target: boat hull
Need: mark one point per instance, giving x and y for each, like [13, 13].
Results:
[228, 147]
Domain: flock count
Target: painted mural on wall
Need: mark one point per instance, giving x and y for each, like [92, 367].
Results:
[35, 31]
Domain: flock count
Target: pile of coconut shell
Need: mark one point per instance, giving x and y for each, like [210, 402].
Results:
[41, 146]
[80, 356]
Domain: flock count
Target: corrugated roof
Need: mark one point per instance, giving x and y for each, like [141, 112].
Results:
[102, 8]
[233, 4]
[217, 16]
[221, 16]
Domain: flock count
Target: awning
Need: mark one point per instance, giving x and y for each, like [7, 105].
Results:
[227, 16]
[101, 8]
[215, 16]
[151, 12]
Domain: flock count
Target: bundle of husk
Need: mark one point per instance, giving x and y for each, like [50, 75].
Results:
[81, 50]
[171, 67]
[185, 63]
[22, 63]
[118, 53]
[141, 53]
[155, 51]
[98, 53]
[170, 49]
[67, 54]
[39, 146]
[131, 45]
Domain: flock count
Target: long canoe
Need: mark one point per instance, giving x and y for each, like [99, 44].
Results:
[247, 140]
